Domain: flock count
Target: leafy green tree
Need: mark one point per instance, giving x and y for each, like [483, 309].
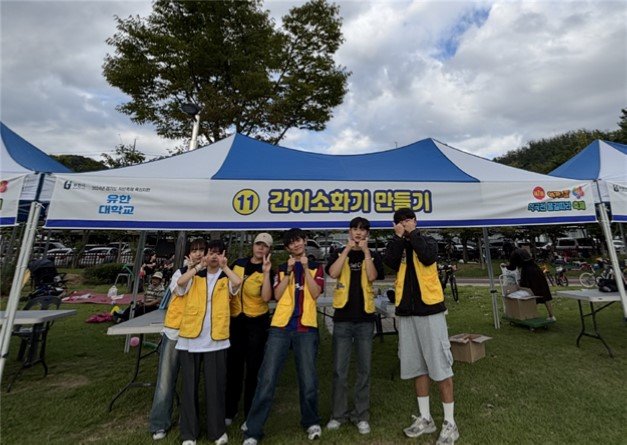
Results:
[622, 133]
[230, 59]
[124, 155]
[80, 163]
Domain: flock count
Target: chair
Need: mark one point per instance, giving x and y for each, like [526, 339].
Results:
[126, 274]
[33, 345]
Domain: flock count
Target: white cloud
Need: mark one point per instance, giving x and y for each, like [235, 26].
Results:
[420, 69]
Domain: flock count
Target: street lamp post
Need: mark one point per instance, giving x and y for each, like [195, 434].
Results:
[193, 110]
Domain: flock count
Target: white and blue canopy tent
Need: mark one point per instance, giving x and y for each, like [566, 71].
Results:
[26, 170]
[241, 183]
[604, 163]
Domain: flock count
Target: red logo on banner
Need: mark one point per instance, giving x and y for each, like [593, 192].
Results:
[4, 185]
[538, 193]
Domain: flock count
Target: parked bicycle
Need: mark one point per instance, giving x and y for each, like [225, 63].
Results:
[560, 276]
[591, 279]
[447, 274]
[548, 274]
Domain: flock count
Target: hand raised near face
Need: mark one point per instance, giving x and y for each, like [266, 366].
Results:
[399, 229]
[351, 243]
[291, 261]
[267, 264]
[304, 261]
[410, 225]
[222, 260]
[363, 245]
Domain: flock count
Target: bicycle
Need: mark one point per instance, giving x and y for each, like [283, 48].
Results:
[560, 276]
[548, 275]
[591, 279]
[446, 273]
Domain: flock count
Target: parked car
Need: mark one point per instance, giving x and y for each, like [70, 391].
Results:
[62, 257]
[314, 252]
[329, 246]
[619, 245]
[98, 255]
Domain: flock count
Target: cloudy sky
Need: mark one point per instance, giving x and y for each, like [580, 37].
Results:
[484, 76]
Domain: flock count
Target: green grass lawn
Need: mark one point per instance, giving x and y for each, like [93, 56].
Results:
[532, 387]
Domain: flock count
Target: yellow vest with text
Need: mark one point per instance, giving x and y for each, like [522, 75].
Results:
[342, 288]
[285, 306]
[428, 281]
[248, 300]
[195, 309]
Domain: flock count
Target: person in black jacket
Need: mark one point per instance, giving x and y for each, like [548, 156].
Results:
[531, 276]
[424, 348]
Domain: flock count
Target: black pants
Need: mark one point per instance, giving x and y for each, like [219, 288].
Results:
[214, 364]
[248, 340]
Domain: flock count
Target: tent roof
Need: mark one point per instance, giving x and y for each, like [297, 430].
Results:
[599, 160]
[19, 155]
[239, 157]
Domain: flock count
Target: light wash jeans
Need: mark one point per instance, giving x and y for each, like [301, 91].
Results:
[161, 412]
[305, 347]
[347, 335]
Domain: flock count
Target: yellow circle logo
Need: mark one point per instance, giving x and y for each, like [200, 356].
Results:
[246, 202]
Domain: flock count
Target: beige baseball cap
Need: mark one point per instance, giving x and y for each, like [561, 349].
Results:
[265, 238]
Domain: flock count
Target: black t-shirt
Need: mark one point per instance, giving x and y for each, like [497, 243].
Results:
[354, 308]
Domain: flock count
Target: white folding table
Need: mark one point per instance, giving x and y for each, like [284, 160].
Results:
[592, 296]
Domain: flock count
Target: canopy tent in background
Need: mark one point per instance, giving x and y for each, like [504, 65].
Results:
[241, 183]
[26, 170]
[17, 155]
[605, 163]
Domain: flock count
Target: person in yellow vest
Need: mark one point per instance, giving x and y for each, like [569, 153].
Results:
[161, 412]
[250, 321]
[423, 345]
[294, 325]
[204, 338]
[354, 269]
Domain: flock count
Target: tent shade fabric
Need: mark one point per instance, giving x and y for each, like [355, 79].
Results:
[10, 189]
[618, 200]
[20, 156]
[25, 155]
[603, 162]
[243, 184]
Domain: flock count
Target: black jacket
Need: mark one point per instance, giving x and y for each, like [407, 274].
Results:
[426, 249]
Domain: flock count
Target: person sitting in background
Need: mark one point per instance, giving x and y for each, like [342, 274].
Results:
[152, 299]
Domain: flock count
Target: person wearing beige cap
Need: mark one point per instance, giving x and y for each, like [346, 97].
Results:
[250, 321]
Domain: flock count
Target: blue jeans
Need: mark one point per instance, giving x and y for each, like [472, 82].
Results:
[305, 347]
[345, 336]
[161, 412]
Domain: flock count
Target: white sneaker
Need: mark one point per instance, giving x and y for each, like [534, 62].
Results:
[250, 441]
[222, 440]
[244, 427]
[552, 318]
[363, 427]
[314, 432]
[334, 424]
[158, 435]
[419, 427]
[189, 442]
[448, 435]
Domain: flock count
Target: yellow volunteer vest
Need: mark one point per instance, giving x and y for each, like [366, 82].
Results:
[428, 281]
[174, 314]
[249, 300]
[340, 296]
[285, 306]
[196, 309]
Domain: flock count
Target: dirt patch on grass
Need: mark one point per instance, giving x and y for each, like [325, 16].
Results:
[68, 381]
[106, 432]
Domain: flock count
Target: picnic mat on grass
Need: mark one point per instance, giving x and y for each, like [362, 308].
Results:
[87, 296]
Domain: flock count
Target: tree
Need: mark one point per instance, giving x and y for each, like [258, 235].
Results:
[125, 155]
[228, 58]
[78, 163]
[623, 126]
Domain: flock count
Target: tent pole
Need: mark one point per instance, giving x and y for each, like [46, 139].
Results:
[139, 259]
[488, 260]
[605, 224]
[16, 287]
[179, 250]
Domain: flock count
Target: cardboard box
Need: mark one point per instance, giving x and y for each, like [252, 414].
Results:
[468, 347]
[521, 308]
